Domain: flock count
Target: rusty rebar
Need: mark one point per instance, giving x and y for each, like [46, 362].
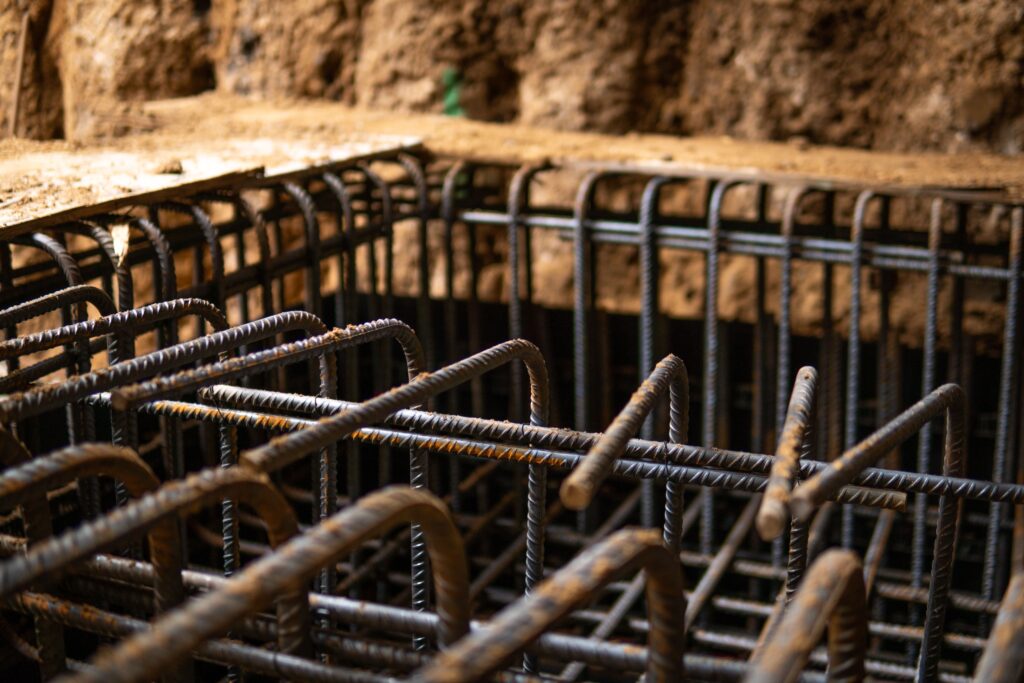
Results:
[583, 483]
[357, 199]
[22, 405]
[832, 594]
[947, 399]
[287, 570]
[1003, 658]
[482, 653]
[68, 296]
[477, 448]
[34, 478]
[288, 448]
[774, 514]
[51, 557]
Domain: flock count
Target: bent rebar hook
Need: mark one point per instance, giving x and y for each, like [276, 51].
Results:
[45, 473]
[175, 499]
[624, 553]
[122, 328]
[77, 294]
[323, 344]
[774, 512]
[289, 448]
[18, 406]
[832, 593]
[121, 322]
[948, 399]
[287, 571]
[582, 484]
[29, 483]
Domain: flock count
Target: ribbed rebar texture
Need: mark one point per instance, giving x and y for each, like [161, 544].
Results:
[242, 437]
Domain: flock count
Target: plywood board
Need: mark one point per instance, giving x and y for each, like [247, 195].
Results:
[42, 184]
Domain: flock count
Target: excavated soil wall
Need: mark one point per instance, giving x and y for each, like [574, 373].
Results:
[916, 75]
[912, 75]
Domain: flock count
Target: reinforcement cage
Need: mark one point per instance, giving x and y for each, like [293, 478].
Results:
[219, 385]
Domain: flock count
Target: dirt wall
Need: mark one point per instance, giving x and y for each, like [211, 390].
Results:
[914, 75]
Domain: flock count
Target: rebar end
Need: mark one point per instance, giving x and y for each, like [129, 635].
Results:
[771, 519]
[574, 495]
[250, 461]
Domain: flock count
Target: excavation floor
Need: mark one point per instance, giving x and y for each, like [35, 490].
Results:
[324, 122]
[214, 139]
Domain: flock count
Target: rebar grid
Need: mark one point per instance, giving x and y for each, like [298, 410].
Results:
[228, 409]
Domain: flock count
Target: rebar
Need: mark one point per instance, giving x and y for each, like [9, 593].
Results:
[226, 411]
[522, 622]
[284, 573]
[832, 593]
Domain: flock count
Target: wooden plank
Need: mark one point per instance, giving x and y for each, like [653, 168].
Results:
[44, 184]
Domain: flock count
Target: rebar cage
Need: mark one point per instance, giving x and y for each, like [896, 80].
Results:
[226, 455]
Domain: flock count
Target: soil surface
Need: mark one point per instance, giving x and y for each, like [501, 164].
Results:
[241, 132]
